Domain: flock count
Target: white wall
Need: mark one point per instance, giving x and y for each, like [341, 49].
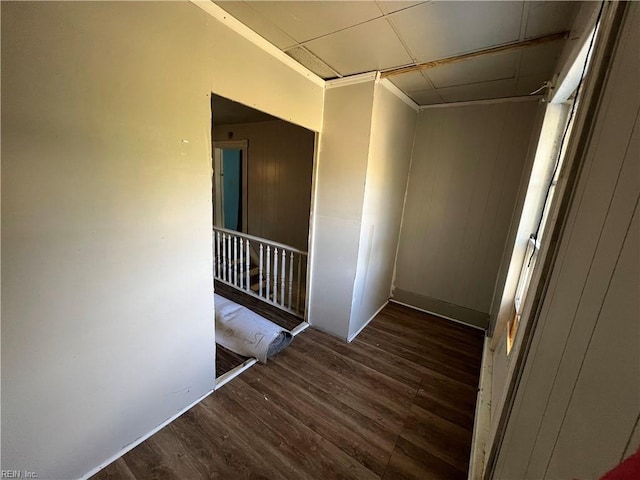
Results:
[466, 170]
[338, 205]
[392, 132]
[280, 167]
[578, 421]
[107, 319]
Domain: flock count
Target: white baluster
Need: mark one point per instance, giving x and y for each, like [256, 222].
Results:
[229, 266]
[241, 262]
[223, 274]
[283, 274]
[275, 275]
[216, 260]
[235, 260]
[299, 278]
[260, 276]
[290, 278]
[268, 267]
[247, 285]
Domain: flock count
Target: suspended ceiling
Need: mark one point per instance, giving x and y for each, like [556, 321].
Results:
[341, 38]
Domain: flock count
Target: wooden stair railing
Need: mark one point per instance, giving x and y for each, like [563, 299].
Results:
[270, 271]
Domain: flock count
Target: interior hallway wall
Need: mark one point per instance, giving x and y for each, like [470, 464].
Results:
[280, 168]
[392, 132]
[339, 196]
[107, 318]
[466, 170]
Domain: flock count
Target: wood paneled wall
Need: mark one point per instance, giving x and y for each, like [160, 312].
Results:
[280, 163]
[465, 174]
[578, 403]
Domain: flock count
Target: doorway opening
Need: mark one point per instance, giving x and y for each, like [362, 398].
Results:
[230, 185]
[261, 194]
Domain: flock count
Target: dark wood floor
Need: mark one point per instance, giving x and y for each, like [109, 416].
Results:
[398, 402]
[226, 360]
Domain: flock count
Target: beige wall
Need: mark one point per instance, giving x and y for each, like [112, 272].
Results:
[339, 196]
[392, 132]
[280, 167]
[107, 319]
[578, 422]
[466, 170]
[243, 72]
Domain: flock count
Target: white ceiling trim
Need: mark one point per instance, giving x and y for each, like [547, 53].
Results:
[525, 98]
[351, 80]
[241, 29]
[385, 82]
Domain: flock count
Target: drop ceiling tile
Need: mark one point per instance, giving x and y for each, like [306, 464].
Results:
[479, 91]
[549, 17]
[363, 48]
[530, 83]
[410, 82]
[307, 20]
[313, 63]
[540, 59]
[441, 29]
[426, 97]
[256, 22]
[481, 69]
[394, 6]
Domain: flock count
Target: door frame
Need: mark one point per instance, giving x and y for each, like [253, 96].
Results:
[219, 172]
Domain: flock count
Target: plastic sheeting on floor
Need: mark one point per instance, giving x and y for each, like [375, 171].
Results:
[247, 333]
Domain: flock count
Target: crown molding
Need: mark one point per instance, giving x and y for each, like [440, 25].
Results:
[386, 83]
[351, 80]
[525, 98]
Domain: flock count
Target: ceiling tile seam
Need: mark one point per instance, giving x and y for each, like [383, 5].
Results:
[510, 77]
[243, 30]
[524, 19]
[340, 30]
[481, 50]
[401, 40]
[428, 79]
[318, 59]
[382, 15]
[478, 83]
[379, 7]
[267, 20]
[400, 9]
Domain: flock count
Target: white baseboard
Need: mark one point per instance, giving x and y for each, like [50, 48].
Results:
[482, 422]
[141, 439]
[300, 328]
[231, 374]
[436, 314]
[352, 337]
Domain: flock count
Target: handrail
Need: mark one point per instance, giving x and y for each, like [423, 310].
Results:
[271, 271]
[260, 239]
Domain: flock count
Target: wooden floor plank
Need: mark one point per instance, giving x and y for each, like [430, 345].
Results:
[354, 433]
[398, 402]
[411, 462]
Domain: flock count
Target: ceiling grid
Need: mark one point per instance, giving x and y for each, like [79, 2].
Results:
[341, 38]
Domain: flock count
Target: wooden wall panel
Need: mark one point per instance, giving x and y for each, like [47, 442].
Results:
[280, 162]
[578, 399]
[465, 174]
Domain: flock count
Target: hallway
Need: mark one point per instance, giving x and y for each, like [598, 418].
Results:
[398, 402]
